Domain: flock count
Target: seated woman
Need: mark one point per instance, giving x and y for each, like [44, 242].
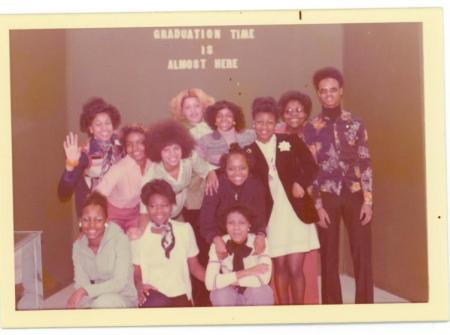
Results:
[236, 187]
[101, 260]
[228, 123]
[86, 165]
[240, 279]
[165, 255]
[122, 183]
[171, 148]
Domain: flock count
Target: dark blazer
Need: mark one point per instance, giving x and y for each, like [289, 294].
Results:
[295, 164]
[250, 194]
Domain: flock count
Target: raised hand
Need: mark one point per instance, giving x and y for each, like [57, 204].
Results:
[71, 148]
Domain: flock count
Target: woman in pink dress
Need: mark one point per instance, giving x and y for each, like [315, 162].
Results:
[122, 183]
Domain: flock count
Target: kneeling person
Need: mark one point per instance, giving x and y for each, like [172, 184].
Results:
[102, 261]
[165, 254]
[241, 278]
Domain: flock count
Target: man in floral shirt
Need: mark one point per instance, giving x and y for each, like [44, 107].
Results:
[343, 188]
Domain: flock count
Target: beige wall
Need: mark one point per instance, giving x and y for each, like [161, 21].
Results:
[384, 85]
[128, 67]
[38, 99]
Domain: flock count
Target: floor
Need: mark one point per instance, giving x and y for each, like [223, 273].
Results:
[58, 300]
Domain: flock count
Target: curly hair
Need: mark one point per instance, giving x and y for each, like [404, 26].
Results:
[327, 72]
[165, 133]
[246, 212]
[235, 149]
[176, 104]
[238, 115]
[97, 199]
[132, 128]
[160, 187]
[302, 98]
[265, 105]
[92, 108]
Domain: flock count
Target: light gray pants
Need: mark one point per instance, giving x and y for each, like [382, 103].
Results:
[252, 296]
[107, 300]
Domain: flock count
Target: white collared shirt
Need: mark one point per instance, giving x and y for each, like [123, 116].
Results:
[170, 276]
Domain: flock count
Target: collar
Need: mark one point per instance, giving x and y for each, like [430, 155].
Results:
[111, 230]
[95, 146]
[200, 129]
[332, 113]
[159, 229]
[216, 135]
[272, 141]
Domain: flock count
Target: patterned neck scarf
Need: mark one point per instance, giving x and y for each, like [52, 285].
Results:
[168, 238]
[112, 152]
[239, 252]
[102, 155]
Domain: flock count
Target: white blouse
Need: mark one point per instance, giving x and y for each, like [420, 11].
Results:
[220, 274]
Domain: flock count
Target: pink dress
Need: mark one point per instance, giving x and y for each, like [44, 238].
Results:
[122, 187]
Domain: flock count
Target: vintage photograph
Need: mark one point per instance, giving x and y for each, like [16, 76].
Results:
[200, 166]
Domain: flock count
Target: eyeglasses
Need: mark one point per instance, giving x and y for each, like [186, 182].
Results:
[86, 220]
[292, 111]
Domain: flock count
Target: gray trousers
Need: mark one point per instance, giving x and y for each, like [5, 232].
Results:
[107, 300]
[252, 296]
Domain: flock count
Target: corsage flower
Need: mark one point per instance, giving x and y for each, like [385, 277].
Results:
[284, 146]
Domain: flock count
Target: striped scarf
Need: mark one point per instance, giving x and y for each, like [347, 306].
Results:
[168, 238]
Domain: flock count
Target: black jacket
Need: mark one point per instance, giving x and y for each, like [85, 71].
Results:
[295, 164]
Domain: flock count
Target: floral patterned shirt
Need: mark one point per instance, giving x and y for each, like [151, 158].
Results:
[340, 149]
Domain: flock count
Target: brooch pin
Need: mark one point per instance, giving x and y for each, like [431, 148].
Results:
[284, 146]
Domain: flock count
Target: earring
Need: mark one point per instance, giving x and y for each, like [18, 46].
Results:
[106, 224]
[79, 224]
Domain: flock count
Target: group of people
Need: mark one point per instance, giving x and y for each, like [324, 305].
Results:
[198, 210]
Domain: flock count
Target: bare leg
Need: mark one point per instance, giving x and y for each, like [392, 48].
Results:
[281, 276]
[296, 277]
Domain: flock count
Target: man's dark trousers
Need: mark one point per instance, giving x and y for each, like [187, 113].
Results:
[348, 206]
